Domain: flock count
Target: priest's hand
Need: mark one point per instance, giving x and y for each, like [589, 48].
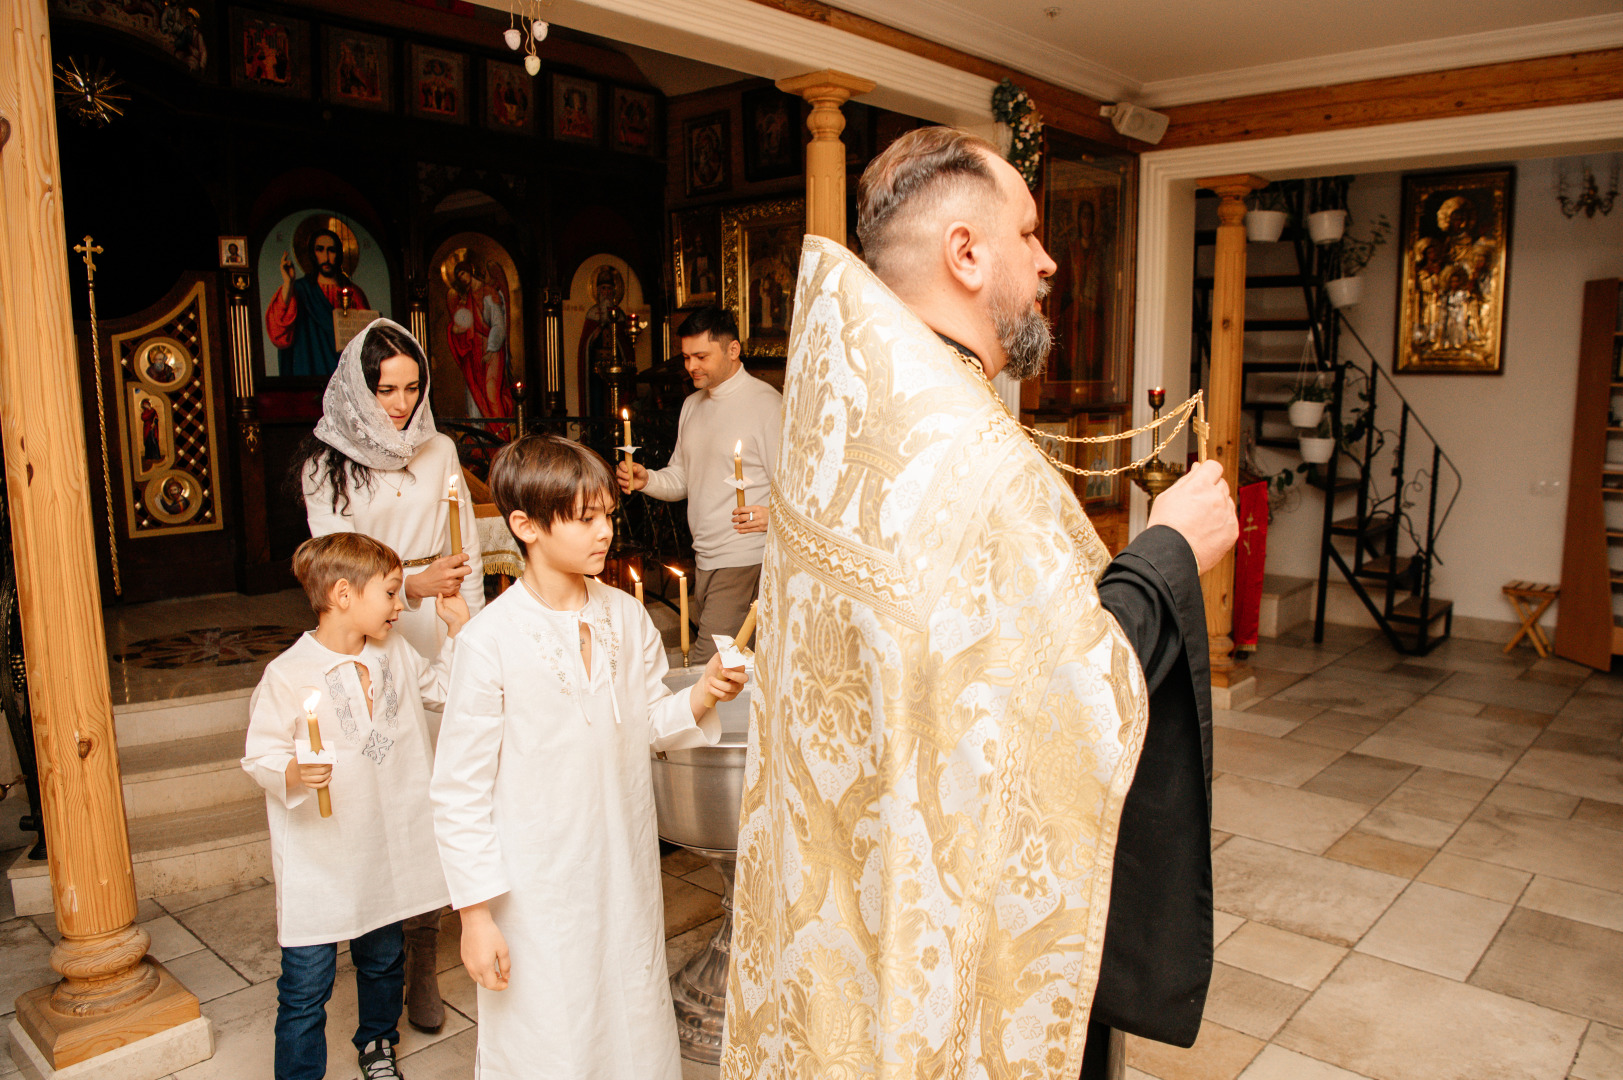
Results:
[631, 476]
[1200, 507]
[442, 577]
[484, 949]
[453, 612]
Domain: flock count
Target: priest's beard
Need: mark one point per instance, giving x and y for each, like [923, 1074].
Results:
[1021, 329]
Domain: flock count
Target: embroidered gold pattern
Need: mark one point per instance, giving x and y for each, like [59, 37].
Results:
[946, 723]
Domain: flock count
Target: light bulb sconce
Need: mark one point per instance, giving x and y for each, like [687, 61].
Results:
[1589, 199]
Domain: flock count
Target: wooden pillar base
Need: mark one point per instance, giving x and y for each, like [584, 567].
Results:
[64, 1039]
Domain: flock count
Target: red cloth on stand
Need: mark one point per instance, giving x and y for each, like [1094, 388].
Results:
[1250, 559]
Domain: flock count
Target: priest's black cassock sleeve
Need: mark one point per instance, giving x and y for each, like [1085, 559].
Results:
[1157, 960]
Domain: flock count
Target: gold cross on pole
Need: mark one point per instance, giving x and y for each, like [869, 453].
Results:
[89, 249]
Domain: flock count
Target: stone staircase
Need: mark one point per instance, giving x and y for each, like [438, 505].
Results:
[196, 819]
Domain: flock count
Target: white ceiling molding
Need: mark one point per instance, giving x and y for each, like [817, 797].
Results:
[1166, 218]
[778, 45]
[947, 23]
[1439, 54]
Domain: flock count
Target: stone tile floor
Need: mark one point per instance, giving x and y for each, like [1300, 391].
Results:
[1419, 876]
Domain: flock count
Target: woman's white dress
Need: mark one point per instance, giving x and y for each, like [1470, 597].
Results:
[407, 509]
[544, 806]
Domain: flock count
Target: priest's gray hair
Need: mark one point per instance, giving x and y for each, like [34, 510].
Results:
[917, 173]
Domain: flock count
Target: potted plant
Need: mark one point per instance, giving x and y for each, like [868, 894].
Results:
[1307, 405]
[1265, 221]
[1317, 446]
[1348, 289]
[1326, 224]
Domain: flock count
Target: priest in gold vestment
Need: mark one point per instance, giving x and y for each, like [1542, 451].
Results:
[958, 691]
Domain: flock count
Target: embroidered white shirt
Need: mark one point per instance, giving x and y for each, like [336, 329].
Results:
[374, 860]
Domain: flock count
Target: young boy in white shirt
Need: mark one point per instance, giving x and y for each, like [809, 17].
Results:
[357, 874]
[543, 794]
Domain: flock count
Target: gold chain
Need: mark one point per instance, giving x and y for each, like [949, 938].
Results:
[89, 249]
[1182, 413]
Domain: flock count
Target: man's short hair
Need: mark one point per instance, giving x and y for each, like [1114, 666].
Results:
[718, 322]
[916, 170]
[324, 561]
[550, 478]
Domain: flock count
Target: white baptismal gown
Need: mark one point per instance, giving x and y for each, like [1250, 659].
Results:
[544, 806]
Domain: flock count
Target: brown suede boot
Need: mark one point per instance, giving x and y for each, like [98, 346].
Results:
[424, 1009]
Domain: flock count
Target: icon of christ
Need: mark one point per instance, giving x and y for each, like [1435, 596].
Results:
[299, 317]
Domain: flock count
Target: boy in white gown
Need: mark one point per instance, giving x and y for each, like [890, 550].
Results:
[357, 874]
[543, 798]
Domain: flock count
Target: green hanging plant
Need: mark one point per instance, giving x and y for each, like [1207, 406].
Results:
[1012, 106]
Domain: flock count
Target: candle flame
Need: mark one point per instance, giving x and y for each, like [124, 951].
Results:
[674, 570]
[634, 575]
[312, 701]
[625, 414]
[450, 491]
[738, 447]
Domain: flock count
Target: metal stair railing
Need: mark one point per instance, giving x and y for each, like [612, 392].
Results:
[1376, 389]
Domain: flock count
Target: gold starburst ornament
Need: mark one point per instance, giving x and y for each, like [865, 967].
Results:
[89, 94]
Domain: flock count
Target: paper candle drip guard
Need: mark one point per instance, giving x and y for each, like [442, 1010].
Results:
[1195, 407]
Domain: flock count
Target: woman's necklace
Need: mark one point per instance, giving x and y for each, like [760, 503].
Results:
[585, 637]
[396, 485]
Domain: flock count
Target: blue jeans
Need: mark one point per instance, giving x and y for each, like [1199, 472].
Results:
[306, 984]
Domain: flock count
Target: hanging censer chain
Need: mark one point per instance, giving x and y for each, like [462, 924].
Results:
[1192, 412]
[89, 249]
[1195, 407]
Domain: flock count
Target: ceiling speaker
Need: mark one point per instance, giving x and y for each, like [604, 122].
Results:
[1136, 122]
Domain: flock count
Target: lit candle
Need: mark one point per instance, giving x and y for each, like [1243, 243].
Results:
[738, 469]
[682, 582]
[636, 581]
[323, 796]
[625, 420]
[456, 517]
[744, 632]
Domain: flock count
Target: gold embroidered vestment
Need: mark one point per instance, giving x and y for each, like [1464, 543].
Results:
[945, 723]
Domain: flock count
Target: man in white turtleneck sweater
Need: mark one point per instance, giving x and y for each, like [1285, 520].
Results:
[731, 409]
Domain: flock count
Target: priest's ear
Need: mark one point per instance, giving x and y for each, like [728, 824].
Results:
[965, 255]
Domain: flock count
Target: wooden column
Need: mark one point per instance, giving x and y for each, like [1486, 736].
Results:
[1223, 393]
[111, 994]
[825, 154]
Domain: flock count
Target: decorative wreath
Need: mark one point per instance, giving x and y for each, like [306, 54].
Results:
[1012, 106]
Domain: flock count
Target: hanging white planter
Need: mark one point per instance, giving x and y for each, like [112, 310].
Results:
[1306, 414]
[1344, 292]
[1265, 226]
[1316, 451]
[1326, 226]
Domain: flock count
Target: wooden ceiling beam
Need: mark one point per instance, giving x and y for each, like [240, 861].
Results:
[1570, 79]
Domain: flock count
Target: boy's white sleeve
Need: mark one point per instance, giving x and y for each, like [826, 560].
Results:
[434, 676]
[273, 724]
[463, 787]
[670, 716]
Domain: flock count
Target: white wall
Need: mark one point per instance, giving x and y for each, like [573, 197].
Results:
[1507, 433]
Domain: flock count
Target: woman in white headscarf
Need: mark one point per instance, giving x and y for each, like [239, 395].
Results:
[375, 465]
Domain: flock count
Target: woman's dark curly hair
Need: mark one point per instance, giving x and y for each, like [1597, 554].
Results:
[342, 471]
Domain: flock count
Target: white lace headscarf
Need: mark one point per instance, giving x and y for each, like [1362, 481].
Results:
[353, 423]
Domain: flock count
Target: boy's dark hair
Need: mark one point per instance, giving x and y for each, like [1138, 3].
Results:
[718, 322]
[550, 478]
[324, 561]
